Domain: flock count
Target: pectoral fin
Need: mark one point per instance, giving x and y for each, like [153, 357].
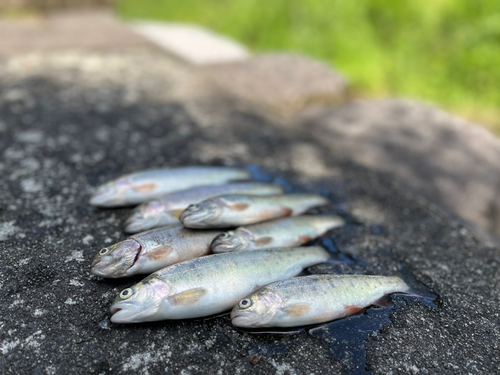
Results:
[240, 206]
[297, 310]
[145, 188]
[263, 241]
[176, 213]
[188, 297]
[158, 253]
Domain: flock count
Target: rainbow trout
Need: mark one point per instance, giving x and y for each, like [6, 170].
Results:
[209, 285]
[166, 209]
[152, 250]
[236, 210]
[140, 187]
[312, 299]
[288, 232]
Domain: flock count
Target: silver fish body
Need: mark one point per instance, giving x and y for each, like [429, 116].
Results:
[209, 285]
[236, 210]
[287, 232]
[140, 187]
[150, 251]
[166, 209]
[312, 300]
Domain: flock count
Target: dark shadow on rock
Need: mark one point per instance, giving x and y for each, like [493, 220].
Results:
[55, 149]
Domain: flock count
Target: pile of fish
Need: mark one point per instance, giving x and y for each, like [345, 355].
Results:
[210, 240]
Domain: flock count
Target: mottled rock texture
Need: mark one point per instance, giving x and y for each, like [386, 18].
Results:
[448, 160]
[74, 117]
[71, 121]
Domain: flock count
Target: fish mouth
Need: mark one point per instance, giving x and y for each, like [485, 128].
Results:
[103, 198]
[240, 320]
[221, 247]
[124, 314]
[107, 268]
[128, 312]
[139, 224]
[192, 219]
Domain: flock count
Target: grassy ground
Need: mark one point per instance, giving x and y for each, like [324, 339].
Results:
[445, 52]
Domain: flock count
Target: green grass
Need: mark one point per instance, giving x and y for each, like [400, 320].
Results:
[445, 52]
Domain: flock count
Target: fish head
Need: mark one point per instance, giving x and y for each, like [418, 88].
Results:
[114, 261]
[147, 216]
[237, 240]
[256, 310]
[200, 215]
[112, 194]
[141, 302]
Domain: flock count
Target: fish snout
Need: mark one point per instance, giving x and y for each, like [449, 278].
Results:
[243, 319]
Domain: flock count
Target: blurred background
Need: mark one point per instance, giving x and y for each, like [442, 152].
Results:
[444, 52]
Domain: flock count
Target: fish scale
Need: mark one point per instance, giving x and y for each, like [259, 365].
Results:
[236, 210]
[211, 284]
[165, 210]
[288, 232]
[313, 299]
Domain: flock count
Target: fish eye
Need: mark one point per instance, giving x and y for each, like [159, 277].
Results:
[225, 235]
[104, 251]
[245, 303]
[126, 293]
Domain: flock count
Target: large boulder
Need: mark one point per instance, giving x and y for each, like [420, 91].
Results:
[446, 159]
[69, 124]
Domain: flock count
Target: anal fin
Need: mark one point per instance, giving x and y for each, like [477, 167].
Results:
[352, 310]
[305, 239]
[285, 211]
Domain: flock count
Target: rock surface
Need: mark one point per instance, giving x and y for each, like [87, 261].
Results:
[69, 122]
[279, 83]
[451, 162]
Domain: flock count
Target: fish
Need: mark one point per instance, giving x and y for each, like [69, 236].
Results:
[312, 299]
[237, 210]
[209, 285]
[287, 232]
[152, 250]
[166, 209]
[142, 186]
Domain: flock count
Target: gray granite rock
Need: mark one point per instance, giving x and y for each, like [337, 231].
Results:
[451, 162]
[280, 83]
[67, 125]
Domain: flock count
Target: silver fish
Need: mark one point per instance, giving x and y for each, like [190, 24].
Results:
[140, 187]
[236, 210]
[288, 232]
[152, 250]
[209, 285]
[312, 299]
[166, 209]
